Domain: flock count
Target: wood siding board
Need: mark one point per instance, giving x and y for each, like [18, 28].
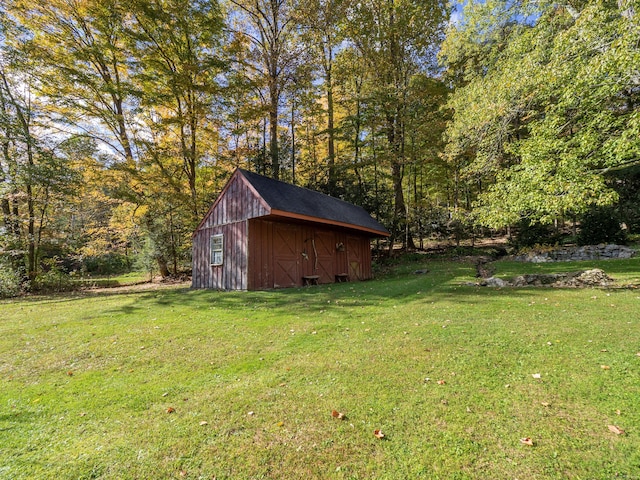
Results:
[265, 209]
[322, 221]
[238, 201]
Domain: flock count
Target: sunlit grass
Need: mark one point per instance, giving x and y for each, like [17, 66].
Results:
[445, 370]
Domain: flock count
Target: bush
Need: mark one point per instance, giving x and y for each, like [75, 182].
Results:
[107, 264]
[10, 285]
[601, 225]
[529, 235]
[52, 278]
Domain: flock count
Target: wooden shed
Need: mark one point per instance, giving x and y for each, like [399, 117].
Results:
[262, 233]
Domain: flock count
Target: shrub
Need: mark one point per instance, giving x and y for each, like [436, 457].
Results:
[601, 225]
[106, 264]
[10, 285]
[529, 235]
[52, 278]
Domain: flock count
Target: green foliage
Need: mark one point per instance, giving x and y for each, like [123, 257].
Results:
[626, 183]
[10, 280]
[530, 234]
[107, 264]
[52, 278]
[546, 102]
[601, 225]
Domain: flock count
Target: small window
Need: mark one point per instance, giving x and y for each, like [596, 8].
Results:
[216, 249]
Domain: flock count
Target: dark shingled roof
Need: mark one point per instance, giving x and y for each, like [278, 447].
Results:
[302, 201]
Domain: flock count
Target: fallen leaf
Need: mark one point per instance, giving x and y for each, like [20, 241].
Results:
[441, 382]
[604, 350]
[171, 410]
[615, 429]
[203, 423]
[165, 394]
[605, 367]
[183, 473]
[526, 441]
[378, 433]
[638, 354]
[536, 375]
[545, 404]
[281, 424]
[70, 373]
[618, 412]
[337, 414]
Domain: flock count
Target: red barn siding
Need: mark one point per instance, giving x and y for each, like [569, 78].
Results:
[281, 254]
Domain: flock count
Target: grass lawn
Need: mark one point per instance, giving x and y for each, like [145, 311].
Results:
[177, 383]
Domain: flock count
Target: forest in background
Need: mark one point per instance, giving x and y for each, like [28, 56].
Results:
[120, 122]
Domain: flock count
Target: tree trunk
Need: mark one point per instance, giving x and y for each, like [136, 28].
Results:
[163, 266]
[293, 141]
[331, 148]
[273, 131]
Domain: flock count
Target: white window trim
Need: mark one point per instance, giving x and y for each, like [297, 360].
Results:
[216, 249]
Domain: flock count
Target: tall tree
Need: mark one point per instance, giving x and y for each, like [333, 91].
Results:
[398, 38]
[84, 67]
[175, 47]
[269, 28]
[549, 102]
[32, 171]
[323, 23]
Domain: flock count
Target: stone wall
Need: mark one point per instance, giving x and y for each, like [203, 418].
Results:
[573, 254]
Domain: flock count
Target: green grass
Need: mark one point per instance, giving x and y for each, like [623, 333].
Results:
[86, 381]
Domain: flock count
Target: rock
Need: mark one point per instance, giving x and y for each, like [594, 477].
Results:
[583, 278]
[494, 282]
[537, 279]
[568, 254]
[484, 267]
[589, 278]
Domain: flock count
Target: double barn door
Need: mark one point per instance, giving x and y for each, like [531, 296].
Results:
[300, 252]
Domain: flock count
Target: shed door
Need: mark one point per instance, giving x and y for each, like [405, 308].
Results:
[285, 256]
[326, 251]
[354, 256]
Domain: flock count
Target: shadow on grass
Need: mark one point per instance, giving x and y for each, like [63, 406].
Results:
[444, 282]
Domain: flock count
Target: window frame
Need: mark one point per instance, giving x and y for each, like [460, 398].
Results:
[216, 249]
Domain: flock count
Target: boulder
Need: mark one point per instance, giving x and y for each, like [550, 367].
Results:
[494, 282]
